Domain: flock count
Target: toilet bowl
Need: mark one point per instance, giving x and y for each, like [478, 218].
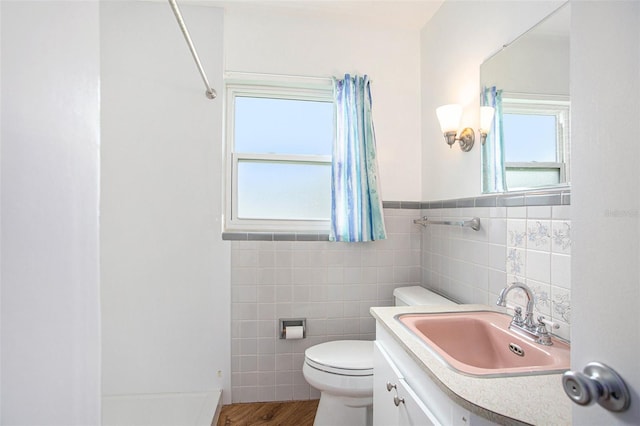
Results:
[342, 370]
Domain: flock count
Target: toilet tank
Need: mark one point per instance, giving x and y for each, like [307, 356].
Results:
[416, 295]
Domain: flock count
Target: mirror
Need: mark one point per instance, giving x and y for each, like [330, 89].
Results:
[527, 82]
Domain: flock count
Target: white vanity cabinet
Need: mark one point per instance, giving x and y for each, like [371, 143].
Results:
[420, 402]
[394, 402]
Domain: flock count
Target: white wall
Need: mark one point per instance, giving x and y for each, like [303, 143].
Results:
[165, 268]
[460, 36]
[50, 178]
[259, 40]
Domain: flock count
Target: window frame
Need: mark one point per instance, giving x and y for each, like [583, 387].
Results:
[269, 87]
[556, 105]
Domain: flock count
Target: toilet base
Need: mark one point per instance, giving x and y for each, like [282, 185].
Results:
[340, 410]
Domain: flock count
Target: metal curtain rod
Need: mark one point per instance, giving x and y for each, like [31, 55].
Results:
[210, 93]
[473, 223]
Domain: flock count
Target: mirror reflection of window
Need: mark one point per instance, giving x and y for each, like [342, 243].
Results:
[536, 141]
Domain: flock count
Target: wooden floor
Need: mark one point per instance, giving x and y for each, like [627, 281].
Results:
[291, 413]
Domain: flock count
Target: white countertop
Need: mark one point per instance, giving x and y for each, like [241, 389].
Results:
[537, 399]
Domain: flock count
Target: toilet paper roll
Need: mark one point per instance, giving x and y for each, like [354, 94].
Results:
[294, 332]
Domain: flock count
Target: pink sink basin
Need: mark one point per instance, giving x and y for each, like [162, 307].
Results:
[480, 344]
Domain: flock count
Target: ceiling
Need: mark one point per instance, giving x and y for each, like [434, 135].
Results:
[411, 15]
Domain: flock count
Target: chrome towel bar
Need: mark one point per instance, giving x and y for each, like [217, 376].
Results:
[473, 223]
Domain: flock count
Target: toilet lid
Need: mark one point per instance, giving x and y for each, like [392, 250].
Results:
[345, 357]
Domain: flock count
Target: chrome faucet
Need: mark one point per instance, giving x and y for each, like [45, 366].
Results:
[526, 326]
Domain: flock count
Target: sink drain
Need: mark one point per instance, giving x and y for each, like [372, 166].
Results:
[516, 349]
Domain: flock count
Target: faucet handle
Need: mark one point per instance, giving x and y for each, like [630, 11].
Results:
[541, 331]
[517, 316]
[553, 325]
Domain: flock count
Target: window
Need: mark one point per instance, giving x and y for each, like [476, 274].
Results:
[536, 141]
[279, 141]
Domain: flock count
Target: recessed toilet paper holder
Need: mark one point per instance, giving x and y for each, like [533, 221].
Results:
[292, 322]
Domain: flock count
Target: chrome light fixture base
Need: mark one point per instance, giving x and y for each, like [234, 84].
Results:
[450, 138]
[483, 137]
[466, 139]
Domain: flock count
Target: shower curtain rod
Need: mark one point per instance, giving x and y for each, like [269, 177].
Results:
[210, 93]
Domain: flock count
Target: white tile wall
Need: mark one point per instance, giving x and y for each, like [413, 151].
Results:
[333, 285]
[527, 244]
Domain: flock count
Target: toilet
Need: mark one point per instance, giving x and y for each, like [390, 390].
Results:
[342, 370]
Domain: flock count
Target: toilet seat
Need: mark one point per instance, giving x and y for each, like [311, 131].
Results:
[342, 357]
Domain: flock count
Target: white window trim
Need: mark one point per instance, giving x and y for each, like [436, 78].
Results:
[268, 86]
[557, 105]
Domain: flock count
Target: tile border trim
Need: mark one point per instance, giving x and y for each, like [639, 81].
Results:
[553, 197]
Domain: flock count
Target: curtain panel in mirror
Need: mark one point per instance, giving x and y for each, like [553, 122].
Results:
[493, 177]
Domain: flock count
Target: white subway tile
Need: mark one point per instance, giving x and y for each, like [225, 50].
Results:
[318, 293]
[248, 329]
[266, 276]
[266, 311]
[267, 345]
[497, 231]
[266, 294]
[283, 259]
[335, 292]
[283, 276]
[243, 311]
[516, 233]
[266, 394]
[498, 212]
[561, 212]
[244, 258]
[542, 296]
[266, 259]
[539, 212]
[335, 309]
[497, 281]
[244, 276]
[284, 362]
[352, 275]
[301, 392]
[300, 258]
[266, 363]
[248, 363]
[539, 266]
[249, 346]
[369, 275]
[561, 236]
[284, 392]
[561, 299]
[267, 377]
[497, 256]
[539, 235]
[561, 270]
[517, 212]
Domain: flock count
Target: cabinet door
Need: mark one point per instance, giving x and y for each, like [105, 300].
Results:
[412, 411]
[385, 413]
[394, 402]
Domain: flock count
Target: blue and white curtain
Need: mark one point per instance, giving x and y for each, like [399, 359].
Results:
[493, 176]
[356, 203]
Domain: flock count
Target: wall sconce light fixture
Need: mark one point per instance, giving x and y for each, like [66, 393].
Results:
[486, 119]
[449, 118]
